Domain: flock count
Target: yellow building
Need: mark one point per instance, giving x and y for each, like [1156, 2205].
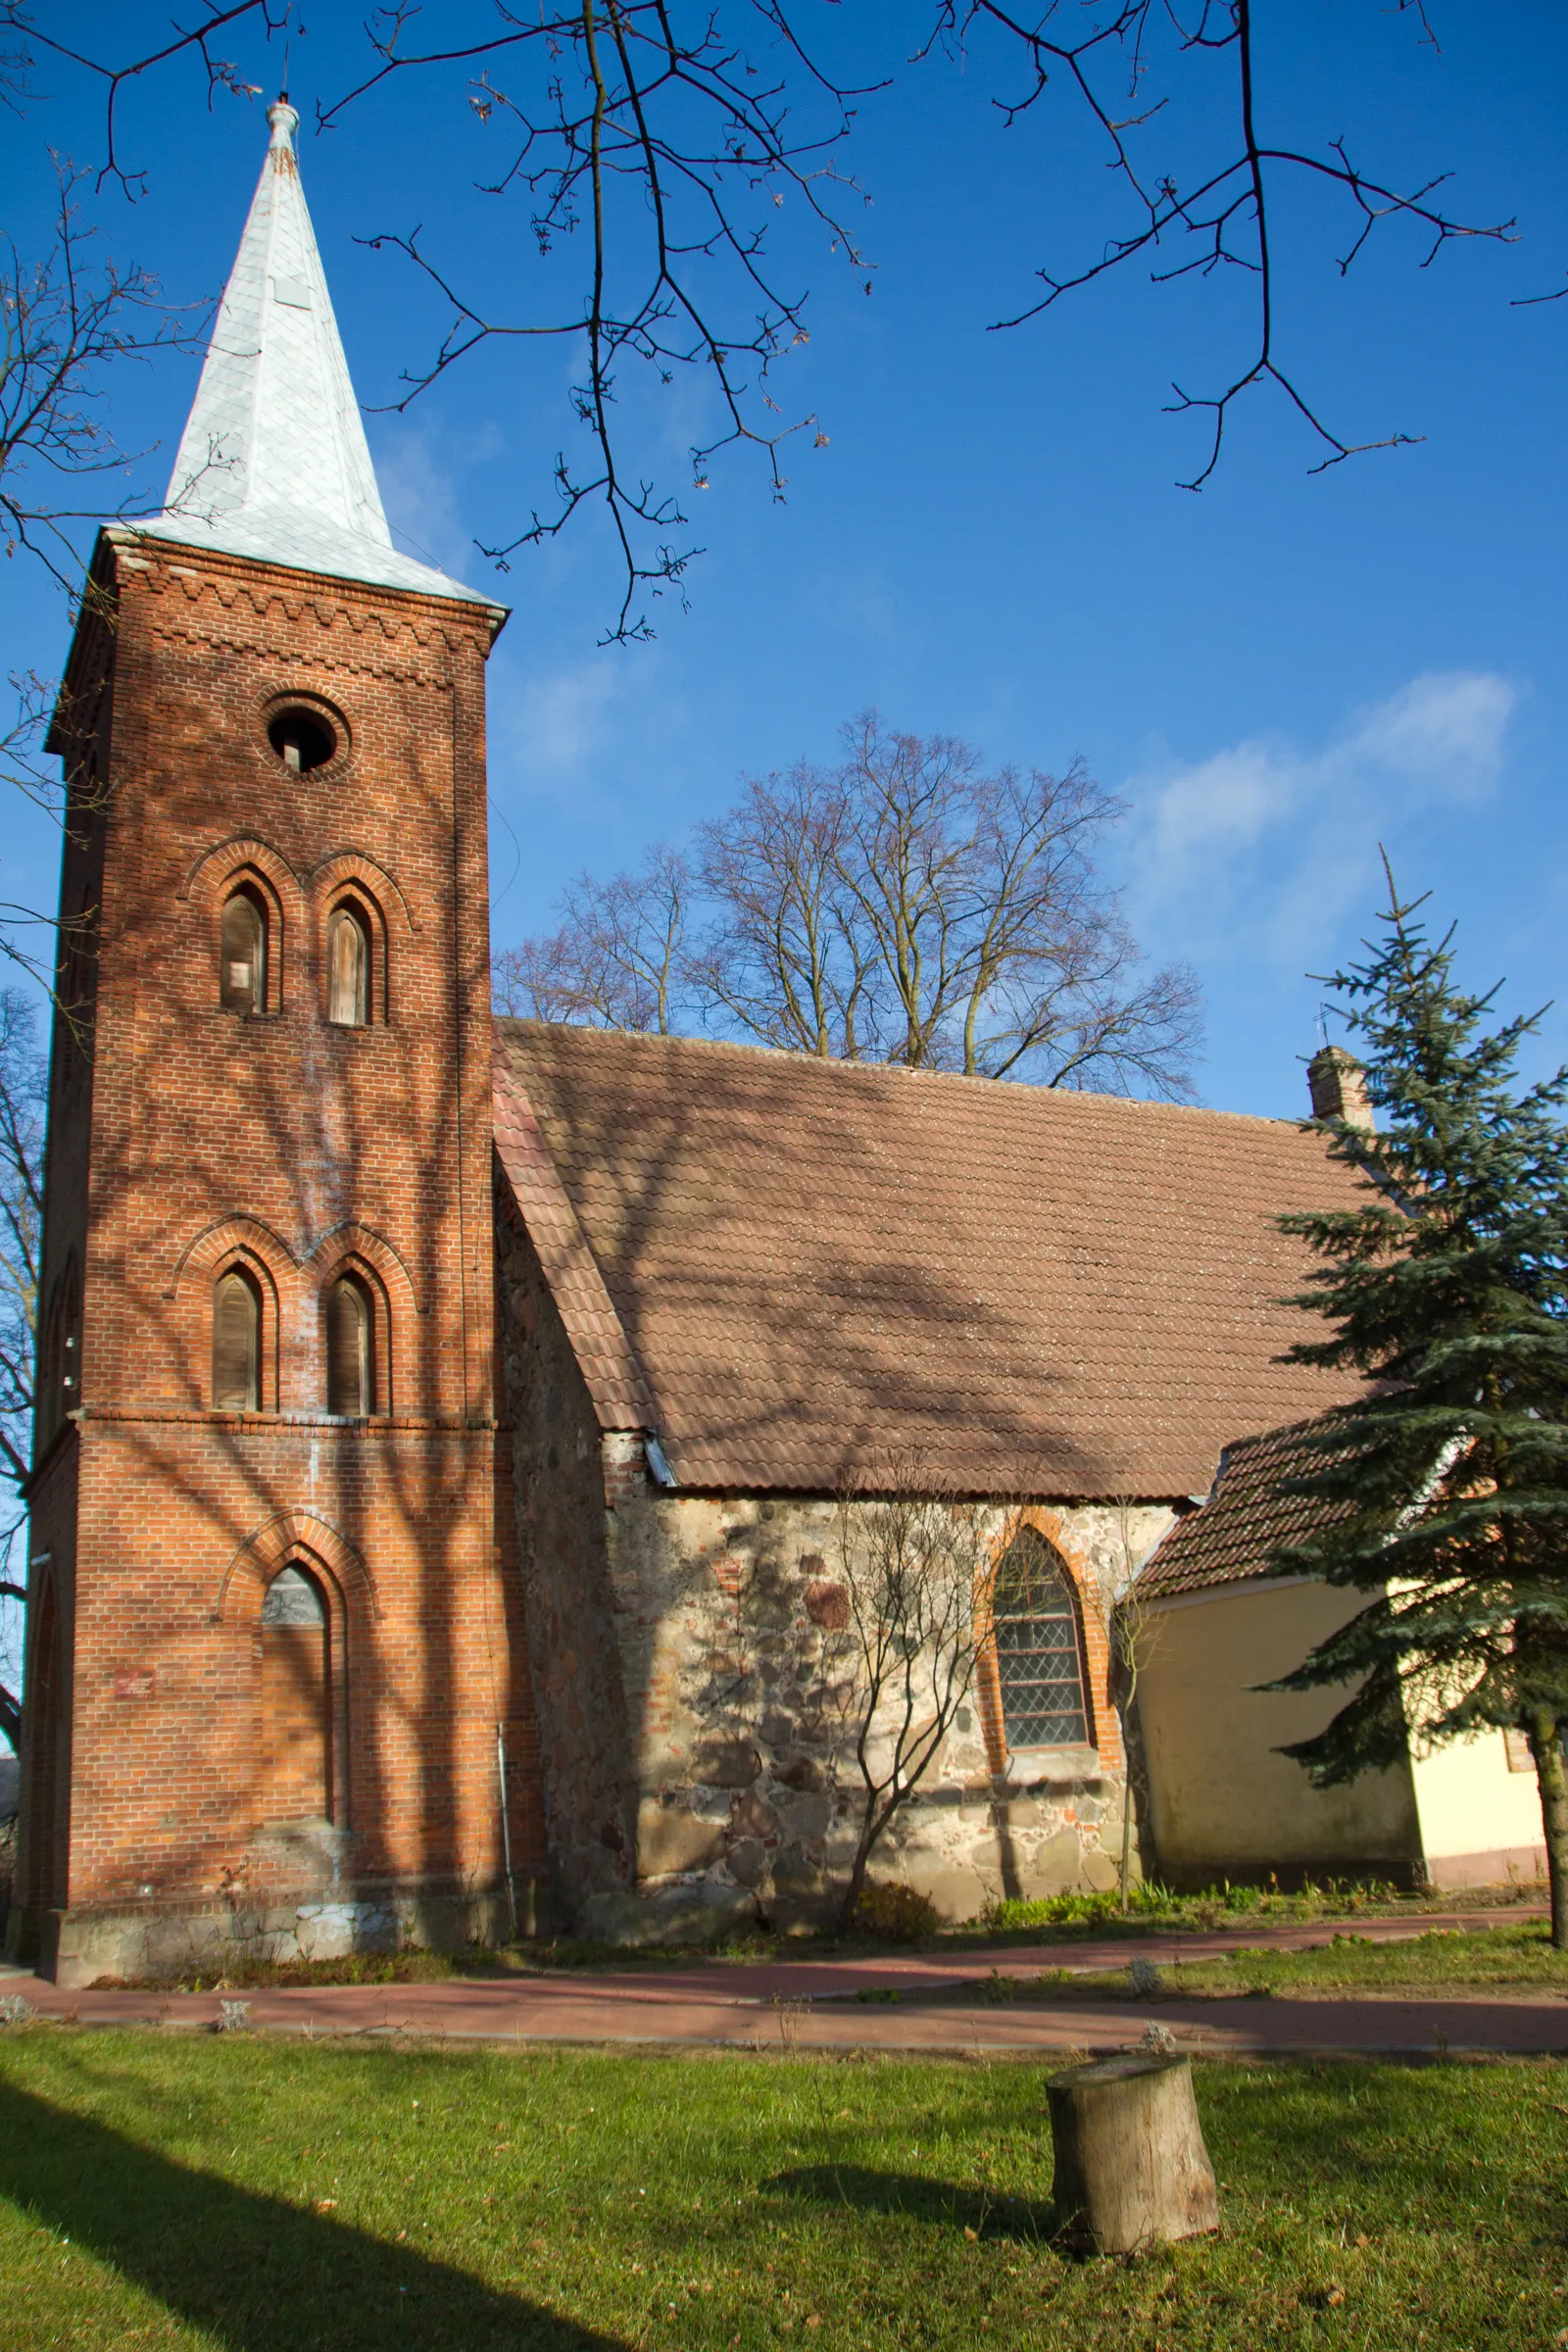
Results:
[1217, 1623]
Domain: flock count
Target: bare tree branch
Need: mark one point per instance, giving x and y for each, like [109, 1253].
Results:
[221, 72]
[1223, 207]
[664, 136]
[670, 146]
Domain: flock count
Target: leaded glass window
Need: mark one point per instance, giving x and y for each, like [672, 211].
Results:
[244, 956]
[1037, 1656]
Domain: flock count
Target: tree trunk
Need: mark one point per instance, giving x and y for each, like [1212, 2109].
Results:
[870, 1830]
[1126, 1829]
[1545, 1745]
[1132, 2169]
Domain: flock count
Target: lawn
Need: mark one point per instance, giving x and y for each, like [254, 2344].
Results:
[269, 2196]
[1447, 1959]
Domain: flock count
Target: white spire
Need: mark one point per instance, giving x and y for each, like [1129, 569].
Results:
[273, 461]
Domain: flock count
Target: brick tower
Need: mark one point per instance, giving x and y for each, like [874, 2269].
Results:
[270, 1640]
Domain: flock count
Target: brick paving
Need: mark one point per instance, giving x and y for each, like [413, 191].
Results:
[939, 2005]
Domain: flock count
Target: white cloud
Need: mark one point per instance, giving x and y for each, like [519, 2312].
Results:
[1445, 729]
[1260, 848]
[1226, 800]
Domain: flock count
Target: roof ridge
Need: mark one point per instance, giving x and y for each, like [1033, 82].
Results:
[898, 1072]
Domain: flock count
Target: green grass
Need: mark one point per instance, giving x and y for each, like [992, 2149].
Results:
[1446, 1958]
[256, 2195]
[1154, 1908]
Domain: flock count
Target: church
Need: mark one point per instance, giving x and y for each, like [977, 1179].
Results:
[449, 1429]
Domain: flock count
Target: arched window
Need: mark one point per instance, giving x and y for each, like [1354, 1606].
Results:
[350, 1349]
[1039, 1662]
[243, 986]
[348, 969]
[296, 1700]
[237, 1344]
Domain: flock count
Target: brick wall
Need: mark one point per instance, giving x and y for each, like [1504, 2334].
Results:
[187, 1139]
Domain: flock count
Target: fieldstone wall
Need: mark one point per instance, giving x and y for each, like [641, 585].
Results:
[694, 1678]
[569, 1601]
[738, 1670]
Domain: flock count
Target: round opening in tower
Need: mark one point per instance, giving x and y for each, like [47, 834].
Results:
[302, 740]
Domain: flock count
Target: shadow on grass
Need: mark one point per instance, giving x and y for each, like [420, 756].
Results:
[258, 2274]
[941, 2202]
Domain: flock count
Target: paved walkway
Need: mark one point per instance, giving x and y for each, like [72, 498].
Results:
[937, 2004]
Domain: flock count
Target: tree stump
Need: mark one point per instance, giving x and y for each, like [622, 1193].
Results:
[1132, 2169]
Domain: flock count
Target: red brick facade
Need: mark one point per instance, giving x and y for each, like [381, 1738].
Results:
[189, 1141]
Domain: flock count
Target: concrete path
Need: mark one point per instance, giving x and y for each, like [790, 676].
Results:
[935, 2004]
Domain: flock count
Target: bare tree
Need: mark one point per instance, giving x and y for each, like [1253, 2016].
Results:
[21, 1129]
[661, 140]
[917, 1572]
[905, 906]
[996, 948]
[783, 958]
[615, 961]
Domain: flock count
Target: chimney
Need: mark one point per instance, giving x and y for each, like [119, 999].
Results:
[1339, 1089]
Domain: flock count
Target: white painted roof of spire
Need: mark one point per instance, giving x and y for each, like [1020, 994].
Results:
[273, 461]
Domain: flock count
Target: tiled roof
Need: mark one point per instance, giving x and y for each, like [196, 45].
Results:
[592, 1325]
[1245, 1520]
[273, 460]
[814, 1263]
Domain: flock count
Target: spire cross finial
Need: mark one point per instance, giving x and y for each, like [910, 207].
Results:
[285, 123]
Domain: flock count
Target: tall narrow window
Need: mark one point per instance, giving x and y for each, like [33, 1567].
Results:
[1037, 1656]
[296, 1701]
[350, 1383]
[237, 1344]
[348, 970]
[244, 952]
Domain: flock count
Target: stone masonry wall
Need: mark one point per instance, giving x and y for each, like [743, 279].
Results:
[587, 1787]
[737, 1670]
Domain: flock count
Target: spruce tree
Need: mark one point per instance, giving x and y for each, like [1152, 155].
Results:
[1447, 1482]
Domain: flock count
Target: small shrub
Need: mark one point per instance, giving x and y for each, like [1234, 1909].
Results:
[1074, 1910]
[895, 1913]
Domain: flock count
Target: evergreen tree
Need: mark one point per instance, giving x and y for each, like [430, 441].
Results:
[1446, 1485]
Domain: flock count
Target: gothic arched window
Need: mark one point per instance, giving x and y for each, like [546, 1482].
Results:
[236, 1344]
[350, 1349]
[1039, 1657]
[348, 969]
[243, 977]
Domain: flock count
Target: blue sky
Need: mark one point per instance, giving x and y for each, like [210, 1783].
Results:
[1276, 674]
